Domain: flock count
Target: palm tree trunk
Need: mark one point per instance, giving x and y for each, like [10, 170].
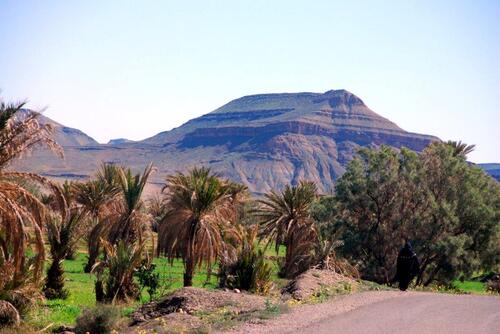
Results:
[92, 258]
[189, 272]
[93, 245]
[189, 265]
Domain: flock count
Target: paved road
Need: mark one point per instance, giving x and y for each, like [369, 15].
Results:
[436, 313]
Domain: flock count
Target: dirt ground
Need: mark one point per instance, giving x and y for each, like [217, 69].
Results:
[180, 311]
[312, 281]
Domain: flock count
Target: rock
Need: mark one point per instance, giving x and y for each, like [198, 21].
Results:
[237, 290]
[8, 315]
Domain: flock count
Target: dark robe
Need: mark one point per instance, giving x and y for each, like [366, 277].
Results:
[407, 266]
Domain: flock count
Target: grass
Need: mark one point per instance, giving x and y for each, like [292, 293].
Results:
[80, 285]
[475, 287]
[81, 292]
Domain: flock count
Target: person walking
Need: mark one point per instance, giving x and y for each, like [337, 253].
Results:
[407, 266]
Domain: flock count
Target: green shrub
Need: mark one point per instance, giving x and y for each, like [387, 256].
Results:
[148, 278]
[115, 274]
[102, 319]
[249, 271]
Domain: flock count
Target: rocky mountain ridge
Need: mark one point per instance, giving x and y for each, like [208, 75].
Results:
[264, 141]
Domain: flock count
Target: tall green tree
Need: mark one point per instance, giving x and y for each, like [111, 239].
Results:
[369, 195]
[447, 208]
[460, 233]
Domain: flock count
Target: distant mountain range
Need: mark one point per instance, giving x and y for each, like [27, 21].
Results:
[264, 141]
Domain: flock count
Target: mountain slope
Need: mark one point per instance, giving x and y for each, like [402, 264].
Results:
[264, 141]
[64, 135]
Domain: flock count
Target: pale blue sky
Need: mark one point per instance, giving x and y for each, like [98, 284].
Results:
[135, 68]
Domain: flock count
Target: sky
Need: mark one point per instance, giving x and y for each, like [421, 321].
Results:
[135, 68]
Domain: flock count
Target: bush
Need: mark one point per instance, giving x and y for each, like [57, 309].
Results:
[115, 274]
[102, 319]
[148, 278]
[249, 271]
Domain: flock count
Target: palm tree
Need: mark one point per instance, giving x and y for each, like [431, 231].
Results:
[124, 240]
[201, 209]
[115, 272]
[64, 229]
[284, 219]
[20, 210]
[157, 208]
[96, 196]
[460, 149]
[20, 131]
[245, 267]
[132, 218]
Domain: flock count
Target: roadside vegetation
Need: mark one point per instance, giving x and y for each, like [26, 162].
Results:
[89, 253]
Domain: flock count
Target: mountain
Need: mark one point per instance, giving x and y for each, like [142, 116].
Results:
[264, 141]
[64, 135]
[119, 141]
[491, 168]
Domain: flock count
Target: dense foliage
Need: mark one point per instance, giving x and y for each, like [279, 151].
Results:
[148, 278]
[449, 209]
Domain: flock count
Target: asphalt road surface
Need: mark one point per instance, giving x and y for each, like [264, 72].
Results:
[376, 312]
[436, 313]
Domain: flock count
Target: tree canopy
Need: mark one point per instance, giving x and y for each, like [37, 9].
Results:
[448, 208]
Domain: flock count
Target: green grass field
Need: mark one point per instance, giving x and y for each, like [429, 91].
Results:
[81, 289]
